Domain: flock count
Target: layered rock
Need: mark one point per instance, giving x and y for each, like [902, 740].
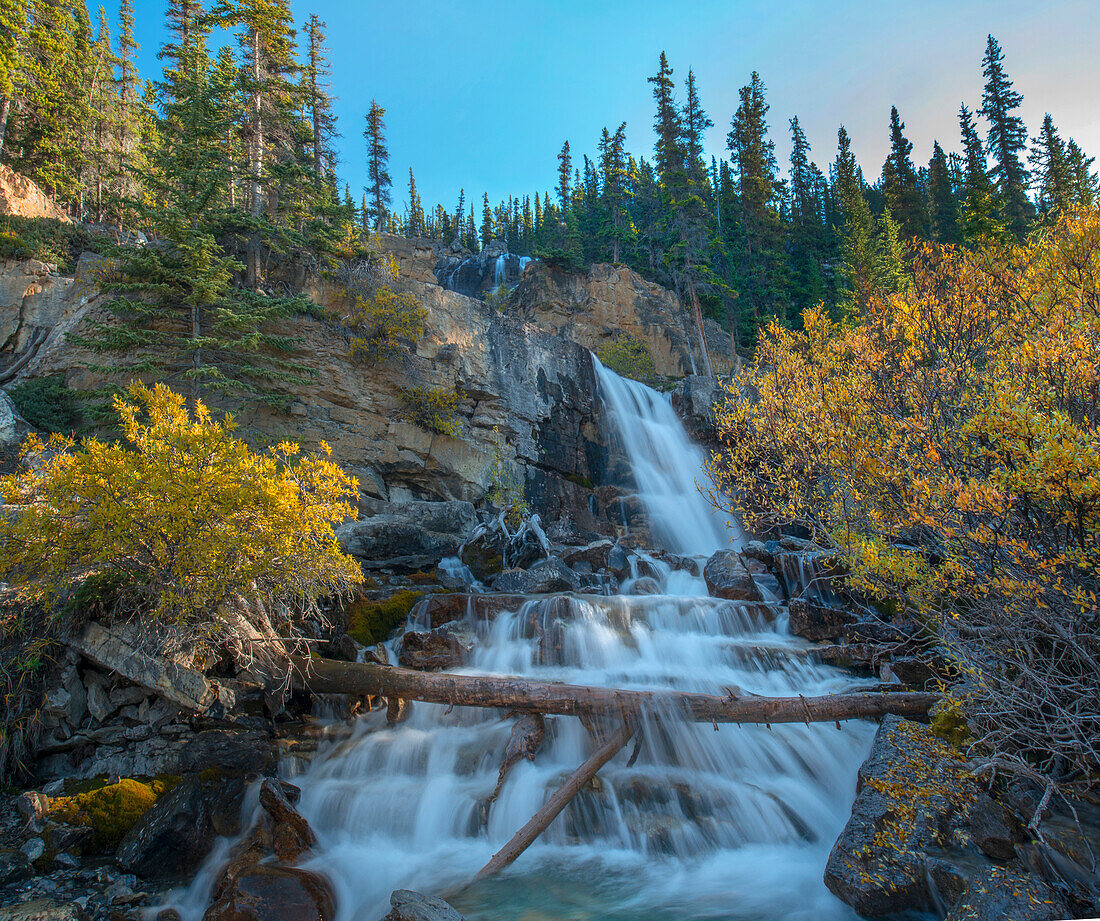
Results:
[22, 197]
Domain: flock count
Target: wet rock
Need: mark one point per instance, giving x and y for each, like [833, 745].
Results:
[406, 905]
[618, 561]
[816, 622]
[483, 554]
[546, 576]
[914, 791]
[993, 829]
[727, 577]
[448, 647]
[998, 893]
[758, 550]
[271, 893]
[644, 585]
[15, 866]
[594, 554]
[43, 910]
[292, 836]
[171, 839]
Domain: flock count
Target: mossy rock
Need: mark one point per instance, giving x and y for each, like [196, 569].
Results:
[372, 621]
[110, 810]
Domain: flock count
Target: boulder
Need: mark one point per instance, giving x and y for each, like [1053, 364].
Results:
[170, 840]
[913, 792]
[644, 585]
[815, 621]
[727, 577]
[15, 866]
[993, 828]
[43, 910]
[447, 647]
[406, 905]
[1007, 894]
[546, 576]
[411, 535]
[292, 836]
[264, 892]
[594, 554]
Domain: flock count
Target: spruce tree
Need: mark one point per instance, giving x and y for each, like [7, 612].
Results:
[761, 262]
[666, 124]
[805, 230]
[1052, 173]
[13, 29]
[979, 217]
[1086, 184]
[943, 208]
[378, 157]
[1007, 140]
[565, 169]
[856, 236]
[900, 185]
[616, 228]
[415, 226]
[318, 99]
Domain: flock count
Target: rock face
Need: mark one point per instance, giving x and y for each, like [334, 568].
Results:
[913, 792]
[610, 300]
[816, 622]
[727, 577]
[457, 269]
[22, 197]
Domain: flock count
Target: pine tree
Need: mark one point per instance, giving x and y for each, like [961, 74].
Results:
[1006, 141]
[616, 227]
[666, 124]
[565, 168]
[761, 263]
[318, 99]
[415, 226]
[1053, 175]
[943, 209]
[805, 230]
[486, 221]
[979, 218]
[900, 182]
[856, 237]
[13, 29]
[378, 157]
[1086, 185]
[889, 260]
[127, 140]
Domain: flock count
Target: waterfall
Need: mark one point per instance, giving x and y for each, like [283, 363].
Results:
[667, 467]
[698, 825]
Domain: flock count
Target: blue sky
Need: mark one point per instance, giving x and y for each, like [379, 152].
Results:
[481, 95]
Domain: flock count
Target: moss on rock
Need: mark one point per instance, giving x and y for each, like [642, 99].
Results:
[371, 621]
[110, 810]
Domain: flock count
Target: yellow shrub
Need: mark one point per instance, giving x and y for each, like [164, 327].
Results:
[180, 518]
[949, 448]
[385, 323]
[431, 408]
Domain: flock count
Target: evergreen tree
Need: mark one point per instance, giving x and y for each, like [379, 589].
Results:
[856, 236]
[1086, 185]
[565, 171]
[616, 228]
[666, 124]
[486, 221]
[1052, 173]
[318, 99]
[889, 259]
[378, 157]
[761, 262]
[900, 185]
[978, 194]
[805, 229]
[13, 28]
[1007, 140]
[943, 209]
[415, 226]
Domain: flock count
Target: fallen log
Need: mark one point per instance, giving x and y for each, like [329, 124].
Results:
[328, 676]
[538, 823]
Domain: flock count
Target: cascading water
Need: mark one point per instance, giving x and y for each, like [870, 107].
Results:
[733, 824]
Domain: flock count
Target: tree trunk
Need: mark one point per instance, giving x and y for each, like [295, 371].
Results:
[539, 822]
[327, 676]
[5, 106]
[257, 165]
[699, 324]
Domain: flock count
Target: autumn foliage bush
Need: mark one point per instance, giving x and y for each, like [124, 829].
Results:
[181, 525]
[947, 446]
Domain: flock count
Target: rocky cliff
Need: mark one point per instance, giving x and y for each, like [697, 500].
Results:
[527, 403]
